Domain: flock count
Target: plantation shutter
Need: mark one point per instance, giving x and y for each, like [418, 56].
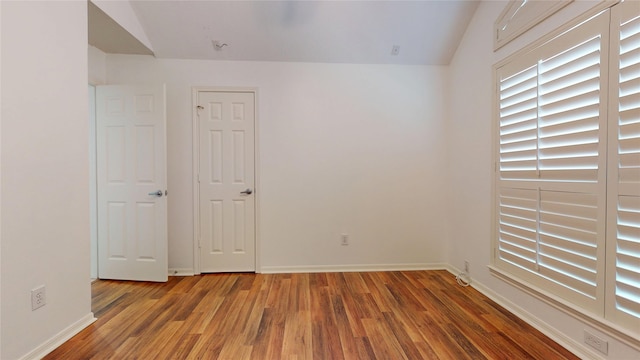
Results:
[623, 280]
[551, 162]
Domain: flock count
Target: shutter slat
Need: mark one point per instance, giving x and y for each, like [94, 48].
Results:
[579, 138]
[629, 116]
[517, 156]
[563, 264]
[563, 233]
[630, 87]
[518, 108]
[586, 263]
[567, 164]
[585, 250]
[576, 210]
[523, 243]
[521, 166]
[513, 83]
[569, 126]
[629, 101]
[630, 28]
[518, 221]
[517, 260]
[518, 137]
[528, 115]
[578, 113]
[523, 198]
[590, 225]
[517, 231]
[629, 146]
[630, 73]
[583, 175]
[521, 252]
[572, 60]
[556, 270]
[630, 130]
[570, 152]
[586, 100]
[624, 302]
[529, 92]
[572, 82]
[518, 212]
[526, 127]
[629, 58]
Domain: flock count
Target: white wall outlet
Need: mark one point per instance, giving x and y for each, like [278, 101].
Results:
[38, 297]
[466, 266]
[344, 239]
[596, 342]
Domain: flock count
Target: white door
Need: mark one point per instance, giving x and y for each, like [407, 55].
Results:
[131, 167]
[226, 122]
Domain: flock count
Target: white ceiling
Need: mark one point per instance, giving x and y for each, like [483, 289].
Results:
[361, 32]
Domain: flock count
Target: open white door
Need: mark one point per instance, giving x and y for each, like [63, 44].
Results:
[131, 167]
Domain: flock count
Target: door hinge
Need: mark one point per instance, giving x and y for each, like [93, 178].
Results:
[198, 177]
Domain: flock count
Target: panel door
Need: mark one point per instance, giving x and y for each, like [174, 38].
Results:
[226, 181]
[131, 177]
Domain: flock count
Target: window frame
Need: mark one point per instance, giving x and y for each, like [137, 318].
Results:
[595, 319]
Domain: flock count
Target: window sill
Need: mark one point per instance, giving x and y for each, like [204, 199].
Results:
[615, 331]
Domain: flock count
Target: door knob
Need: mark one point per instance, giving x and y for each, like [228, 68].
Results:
[156, 193]
[246, 192]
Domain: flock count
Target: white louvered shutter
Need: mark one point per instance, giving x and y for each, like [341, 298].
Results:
[623, 269]
[552, 161]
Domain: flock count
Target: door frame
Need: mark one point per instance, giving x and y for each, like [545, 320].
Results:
[196, 170]
[93, 181]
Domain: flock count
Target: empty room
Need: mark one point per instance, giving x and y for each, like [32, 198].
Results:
[385, 179]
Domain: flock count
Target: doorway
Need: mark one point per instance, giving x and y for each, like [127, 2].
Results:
[224, 180]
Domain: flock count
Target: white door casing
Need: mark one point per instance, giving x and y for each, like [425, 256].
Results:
[226, 181]
[131, 167]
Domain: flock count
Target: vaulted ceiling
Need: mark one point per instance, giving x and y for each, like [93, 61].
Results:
[426, 32]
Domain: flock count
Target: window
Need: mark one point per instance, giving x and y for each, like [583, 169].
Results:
[568, 166]
[623, 211]
[520, 16]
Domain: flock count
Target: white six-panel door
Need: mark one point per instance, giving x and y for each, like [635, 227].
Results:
[226, 122]
[131, 177]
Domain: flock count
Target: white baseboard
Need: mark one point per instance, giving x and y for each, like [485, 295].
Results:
[554, 334]
[57, 340]
[350, 268]
[181, 272]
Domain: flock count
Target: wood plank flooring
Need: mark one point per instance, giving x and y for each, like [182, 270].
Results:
[372, 315]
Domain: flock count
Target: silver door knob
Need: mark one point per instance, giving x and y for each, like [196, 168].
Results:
[156, 193]
[246, 192]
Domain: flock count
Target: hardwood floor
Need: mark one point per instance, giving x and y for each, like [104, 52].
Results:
[373, 315]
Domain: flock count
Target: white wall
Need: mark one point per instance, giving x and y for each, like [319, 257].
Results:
[343, 148]
[470, 144]
[45, 225]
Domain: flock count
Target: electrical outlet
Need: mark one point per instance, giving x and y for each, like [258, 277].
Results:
[344, 238]
[596, 342]
[466, 266]
[38, 297]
